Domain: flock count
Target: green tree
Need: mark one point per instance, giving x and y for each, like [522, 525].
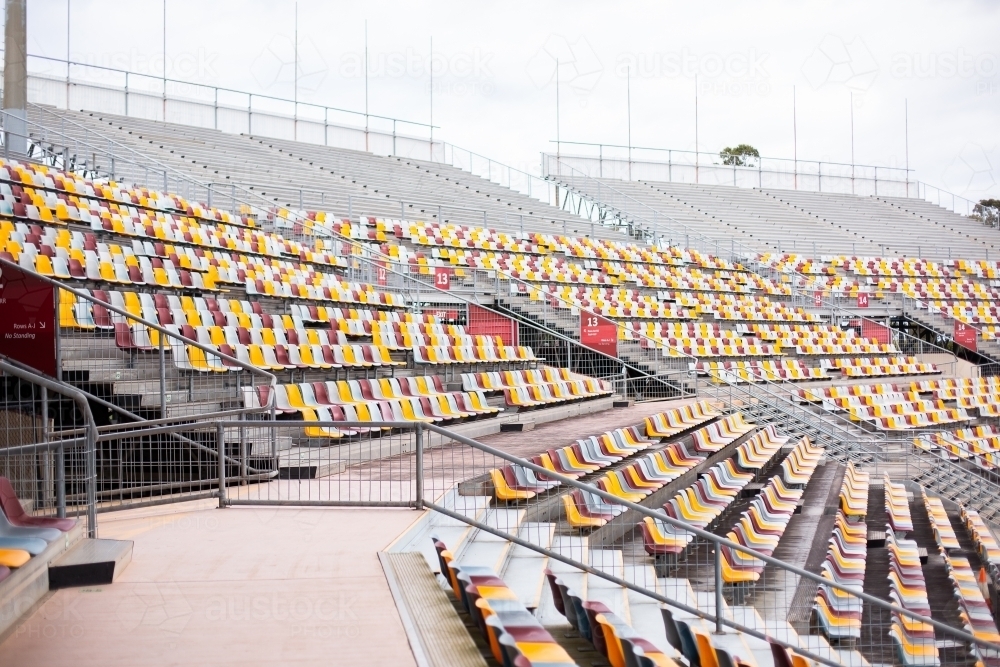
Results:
[987, 211]
[743, 155]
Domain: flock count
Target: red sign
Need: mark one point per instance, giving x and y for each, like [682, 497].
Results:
[599, 333]
[442, 278]
[862, 300]
[818, 299]
[965, 335]
[873, 330]
[381, 274]
[28, 324]
[486, 322]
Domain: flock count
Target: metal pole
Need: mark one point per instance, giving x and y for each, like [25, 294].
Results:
[795, 142]
[164, 61]
[58, 338]
[295, 91]
[366, 84]
[628, 97]
[419, 436]
[718, 590]
[222, 463]
[163, 373]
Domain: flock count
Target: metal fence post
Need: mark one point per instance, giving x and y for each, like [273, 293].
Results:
[91, 478]
[419, 430]
[718, 589]
[163, 373]
[61, 482]
[219, 435]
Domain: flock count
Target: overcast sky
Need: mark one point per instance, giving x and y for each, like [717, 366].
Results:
[494, 88]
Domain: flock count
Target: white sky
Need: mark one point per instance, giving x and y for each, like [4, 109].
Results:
[494, 82]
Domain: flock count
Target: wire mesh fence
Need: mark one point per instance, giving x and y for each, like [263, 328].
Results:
[867, 571]
[47, 448]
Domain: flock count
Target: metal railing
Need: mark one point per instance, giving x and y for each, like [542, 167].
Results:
[402, 464]
[48, 449]
[638, 374]
[109, 90]
[683, 166]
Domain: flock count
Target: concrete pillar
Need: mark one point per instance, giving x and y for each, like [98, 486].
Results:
[15, 76]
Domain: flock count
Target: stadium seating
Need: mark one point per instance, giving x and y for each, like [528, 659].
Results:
[914, 639]
[610, 635]
[838, 614]
[513, 633]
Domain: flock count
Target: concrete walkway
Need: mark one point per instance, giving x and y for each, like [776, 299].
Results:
[239, 586]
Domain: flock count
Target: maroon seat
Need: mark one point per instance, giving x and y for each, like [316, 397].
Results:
[18, 517]
[123, 337]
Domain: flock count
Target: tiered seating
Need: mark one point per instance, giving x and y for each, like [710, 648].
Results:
[514, 634]
[838, 613]
[436, 344]
[944, 533]
[611, 636]
[824, 394]
[751, 309]
[650, 473]
[854, 493]
[460, 236]
[704, 501]
[23, 536]
[978, 443]
[816, 340]
[981, 394]
[975, 612]
[357, 321]
[885, 406]
[515, 482]
[761, 525]
[757, 371]
[896, 410]
[534, 387]
[914, 639]
[897, 506]
[613, 303]
[878, 366]
[387, 399]
[986, 544]
[699, 339]
[670, 423]
[976, 615]
[634, 482]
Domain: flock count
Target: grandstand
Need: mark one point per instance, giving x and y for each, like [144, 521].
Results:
[698, 444]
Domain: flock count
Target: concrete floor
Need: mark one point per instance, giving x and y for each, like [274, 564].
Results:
[239, 586]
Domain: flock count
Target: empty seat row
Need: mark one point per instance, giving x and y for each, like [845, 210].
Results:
[672, 422]
[914, 640]
[514, 635]
[897, 506]
[944, 533]
[646, 474]
[704, 501]
[22, 535]
[762, 524]
[611, 636]
[722, 372]
[585, 456]
[838, 613]
[975, 613]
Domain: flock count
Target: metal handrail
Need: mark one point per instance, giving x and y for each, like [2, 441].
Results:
[432, 288]
[662, 516]
[90, 438]
[167, 79]
[253, 370]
